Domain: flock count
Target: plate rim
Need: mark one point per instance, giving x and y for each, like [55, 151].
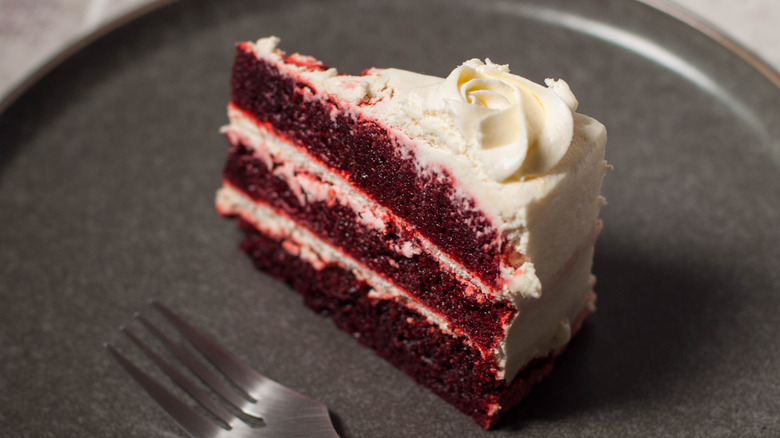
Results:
[718, 35]
[36, 74]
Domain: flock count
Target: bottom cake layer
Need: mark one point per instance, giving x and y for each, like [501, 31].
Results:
[439, 361]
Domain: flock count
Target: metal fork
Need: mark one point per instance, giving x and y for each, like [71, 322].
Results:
[284, 412]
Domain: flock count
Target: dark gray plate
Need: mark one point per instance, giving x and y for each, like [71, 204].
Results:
[109, 163]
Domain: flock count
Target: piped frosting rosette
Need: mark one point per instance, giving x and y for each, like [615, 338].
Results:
[513, 127]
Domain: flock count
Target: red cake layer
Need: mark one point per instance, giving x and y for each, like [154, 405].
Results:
[445, 364]
[368, 156]
[422, 276]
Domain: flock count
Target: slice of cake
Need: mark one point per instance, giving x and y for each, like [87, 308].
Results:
[447, 223]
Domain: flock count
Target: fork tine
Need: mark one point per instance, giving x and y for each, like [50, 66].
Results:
[278, 406]
[245, 377]
[194, 423]
[186, 384]
[209, 378]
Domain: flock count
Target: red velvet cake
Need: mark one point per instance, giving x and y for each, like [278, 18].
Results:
[447, 223]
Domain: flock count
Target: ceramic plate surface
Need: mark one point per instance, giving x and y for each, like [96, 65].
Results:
[109, 164]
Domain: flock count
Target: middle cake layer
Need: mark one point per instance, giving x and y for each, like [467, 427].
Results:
[259, 169]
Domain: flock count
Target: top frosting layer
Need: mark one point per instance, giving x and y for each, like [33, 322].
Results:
[516, 150]
[512, 127]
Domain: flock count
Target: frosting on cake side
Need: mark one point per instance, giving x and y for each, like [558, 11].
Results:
[520, 152]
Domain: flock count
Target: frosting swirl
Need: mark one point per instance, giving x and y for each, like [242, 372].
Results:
[512, 126]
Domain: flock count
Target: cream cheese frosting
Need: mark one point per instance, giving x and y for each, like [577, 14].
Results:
[517, 205]
[522, 153]
[545, 316]
[510, 126]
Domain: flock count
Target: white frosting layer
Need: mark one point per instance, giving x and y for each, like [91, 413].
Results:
[516, 148]
[334, 189]
[545, 324]
[508, 125]
[302, 243]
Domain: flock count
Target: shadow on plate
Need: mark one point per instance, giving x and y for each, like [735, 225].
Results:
[653, 318]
